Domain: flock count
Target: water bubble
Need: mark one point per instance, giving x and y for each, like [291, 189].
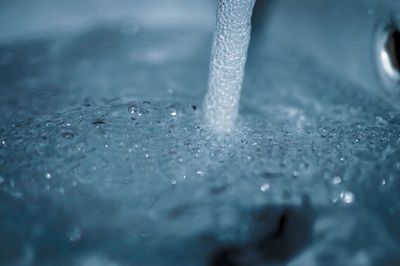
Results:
[173, 113]
[347, 197]
[47, 175]
[265, 187]
[173, 181]
[75, 234]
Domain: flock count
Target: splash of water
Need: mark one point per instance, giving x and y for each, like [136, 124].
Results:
[228, 58]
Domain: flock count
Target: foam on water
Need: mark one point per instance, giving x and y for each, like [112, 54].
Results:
[228, 58]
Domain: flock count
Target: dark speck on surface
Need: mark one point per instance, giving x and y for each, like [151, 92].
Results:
[271, 175]
[99, 122]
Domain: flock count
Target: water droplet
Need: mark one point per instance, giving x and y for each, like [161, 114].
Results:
[336, 180]
[1, 179]
[61, 190]
[200, 173]
[347, 197]
[48, 175]
[265, 187]
[173, 181]
[132, 108]
[75, 234]
[173, 113]
[386, 182]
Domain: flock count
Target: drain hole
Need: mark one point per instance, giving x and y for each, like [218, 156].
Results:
[393, 49]
[387, 57]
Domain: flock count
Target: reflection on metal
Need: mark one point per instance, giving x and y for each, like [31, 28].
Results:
[387, 55]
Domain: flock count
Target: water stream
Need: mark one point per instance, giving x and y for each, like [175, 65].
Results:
[228, 59]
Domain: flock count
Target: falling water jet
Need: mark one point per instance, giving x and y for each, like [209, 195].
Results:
[228, 59]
